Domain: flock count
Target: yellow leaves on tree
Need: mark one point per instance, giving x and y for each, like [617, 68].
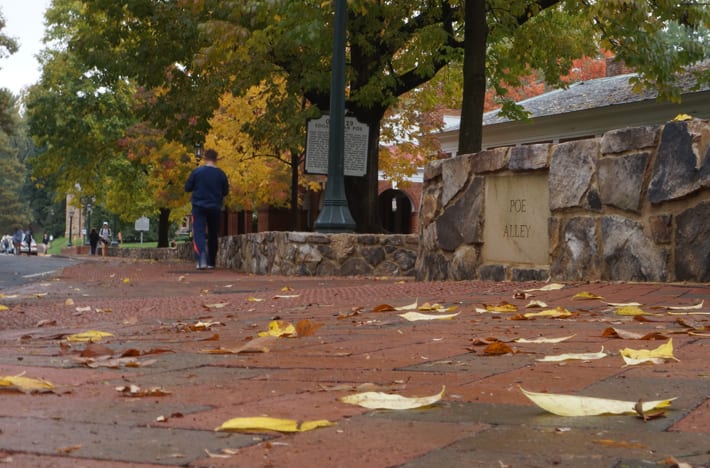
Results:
[258, 174]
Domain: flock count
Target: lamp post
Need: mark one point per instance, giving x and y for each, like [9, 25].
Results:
[89, 209]
[335, 216]
[198, 152]
[71, 222]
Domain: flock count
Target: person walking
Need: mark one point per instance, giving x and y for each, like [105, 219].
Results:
[209, 185]
[17, 240]
[105, 236]
[93, 240]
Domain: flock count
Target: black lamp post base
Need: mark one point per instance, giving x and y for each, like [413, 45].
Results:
[335, 217]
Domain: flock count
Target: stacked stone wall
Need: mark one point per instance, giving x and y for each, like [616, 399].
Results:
[632, 205]
[315, 254]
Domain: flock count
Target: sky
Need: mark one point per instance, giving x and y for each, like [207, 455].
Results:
[25, 23]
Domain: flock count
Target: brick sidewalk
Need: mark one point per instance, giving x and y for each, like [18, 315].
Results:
[483, 419]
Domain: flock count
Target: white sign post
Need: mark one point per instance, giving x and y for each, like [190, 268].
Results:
[142, 224]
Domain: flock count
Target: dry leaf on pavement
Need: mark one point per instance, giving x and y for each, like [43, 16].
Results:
[656, 356]
[379, 400]
[575, 356]
[587, 296]
[571, 405]
[544, 340]
[264, 423]
[279, 328]
[416, 316]
[554, 313]
[90, 335]
[23, 384]
[549, 287]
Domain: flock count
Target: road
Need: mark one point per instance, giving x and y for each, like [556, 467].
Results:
[19, 270]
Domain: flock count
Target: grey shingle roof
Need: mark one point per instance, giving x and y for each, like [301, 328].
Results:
[584, 95]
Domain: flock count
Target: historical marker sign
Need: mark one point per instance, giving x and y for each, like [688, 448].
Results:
[517, 213]
[318, 134]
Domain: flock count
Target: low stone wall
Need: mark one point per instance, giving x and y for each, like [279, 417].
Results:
[632, 205]
[315, 254]
[298, 253]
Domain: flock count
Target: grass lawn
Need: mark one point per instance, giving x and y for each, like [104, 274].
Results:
[60, 242]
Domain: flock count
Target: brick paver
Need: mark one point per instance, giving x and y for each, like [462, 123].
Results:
[483, 419]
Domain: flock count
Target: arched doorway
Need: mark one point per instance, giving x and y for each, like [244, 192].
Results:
[395, 211]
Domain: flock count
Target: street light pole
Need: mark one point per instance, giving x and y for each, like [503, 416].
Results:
[71, 222]
[335, 216]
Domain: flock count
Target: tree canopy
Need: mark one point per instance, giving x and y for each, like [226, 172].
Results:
[404, 58]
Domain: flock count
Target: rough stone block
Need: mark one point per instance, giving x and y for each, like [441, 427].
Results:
[530, 274]
[490, 160]
[462, 222]
[433, 169]
[661, 228]
[680, 169]
[577, 256]
[432, 266]
[373, 255]
[492, 273]
[629, 139]
[529, 157]
[621, 180]
[629, 254]
[455, 174]
[572, 167]
[692, 244]
[464, 263]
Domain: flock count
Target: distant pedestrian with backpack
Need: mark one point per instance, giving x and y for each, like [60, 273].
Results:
[105, 237]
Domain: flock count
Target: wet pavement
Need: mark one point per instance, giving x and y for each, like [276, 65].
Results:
[170, 321]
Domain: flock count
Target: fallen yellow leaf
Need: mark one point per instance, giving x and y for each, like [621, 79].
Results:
[502, 307]
[656, 356]
[557, 312]
[218, 305]
[4, 307]
[690, 307]
[575, 356]
[126, 280]
[279, 328]
[380, 400]
[415, 316]
[91, 335]
[544, 340]
[535, 303]
[549, 287]
[587, 295]
[629, 310]
[571, 405]
[682, 118]
[413, 306]
[25, 384]
[255, 299]
[264, 423]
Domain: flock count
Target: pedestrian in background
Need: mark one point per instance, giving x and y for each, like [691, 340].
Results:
[93, 240]
[17, 239]
[209, 185]
[105, 236]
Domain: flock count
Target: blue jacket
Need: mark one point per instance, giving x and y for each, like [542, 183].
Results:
[209, 186]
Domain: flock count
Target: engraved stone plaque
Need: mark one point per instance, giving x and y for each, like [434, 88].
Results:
[516, 218]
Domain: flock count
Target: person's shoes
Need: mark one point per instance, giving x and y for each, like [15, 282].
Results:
[200, 266]
[210, 267]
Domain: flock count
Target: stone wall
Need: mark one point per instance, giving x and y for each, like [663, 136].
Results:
[632, 205]
[314, 254]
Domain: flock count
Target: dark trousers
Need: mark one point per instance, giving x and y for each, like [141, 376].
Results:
[205, 229]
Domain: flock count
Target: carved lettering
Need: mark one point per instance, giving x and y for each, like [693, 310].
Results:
[516, 231]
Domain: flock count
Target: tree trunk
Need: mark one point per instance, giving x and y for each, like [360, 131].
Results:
[474, 77]
[163, 227]
[361, 192]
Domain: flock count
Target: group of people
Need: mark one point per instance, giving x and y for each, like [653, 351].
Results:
[102, 235]
[21, 242]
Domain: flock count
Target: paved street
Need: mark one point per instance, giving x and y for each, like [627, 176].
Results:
[152, 393]
[16, 270]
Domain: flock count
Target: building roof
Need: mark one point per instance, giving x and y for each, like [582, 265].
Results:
[592, 94]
